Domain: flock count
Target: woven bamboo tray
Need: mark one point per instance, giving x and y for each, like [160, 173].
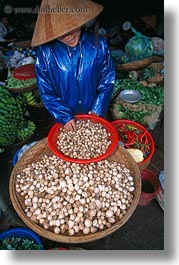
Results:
[23, 44]
[139, 64]
[34, 154]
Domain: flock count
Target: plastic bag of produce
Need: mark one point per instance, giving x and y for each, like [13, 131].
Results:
[138, 47]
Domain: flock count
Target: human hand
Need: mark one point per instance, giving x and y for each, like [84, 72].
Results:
[70, 126]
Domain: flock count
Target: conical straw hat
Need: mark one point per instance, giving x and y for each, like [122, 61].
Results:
[58, 17]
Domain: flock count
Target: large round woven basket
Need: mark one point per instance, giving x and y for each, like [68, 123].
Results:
[34, 154]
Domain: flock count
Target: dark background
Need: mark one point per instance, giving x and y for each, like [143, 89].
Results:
[114, 13]
[112, 8]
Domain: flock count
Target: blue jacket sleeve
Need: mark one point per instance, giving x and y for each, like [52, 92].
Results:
[106, 81]
[53, 103]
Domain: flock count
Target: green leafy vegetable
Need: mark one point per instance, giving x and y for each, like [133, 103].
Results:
[17, 243]
[147, 73]
[147, 110]
[150, 95]
[13, 82]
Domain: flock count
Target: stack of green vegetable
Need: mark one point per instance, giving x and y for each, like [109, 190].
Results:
[14, 124]
[14, 83]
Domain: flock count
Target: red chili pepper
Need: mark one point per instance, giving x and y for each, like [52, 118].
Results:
[135, 134]
[147, 147]
[142, 148]
[122, 128]
[146, 140]
[128, 137]
[131, 139]
[142, 136]
[129, 145]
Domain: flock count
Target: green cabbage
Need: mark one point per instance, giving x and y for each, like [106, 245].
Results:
[138, 47]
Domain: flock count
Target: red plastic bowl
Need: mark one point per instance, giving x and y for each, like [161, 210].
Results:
[24, 72]
[54, 132]
[151, 178]
[146, 161]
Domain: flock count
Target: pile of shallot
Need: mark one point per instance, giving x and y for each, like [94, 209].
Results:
[71, 199]
[90, 140]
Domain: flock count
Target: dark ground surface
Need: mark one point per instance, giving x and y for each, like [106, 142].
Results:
[143, 231]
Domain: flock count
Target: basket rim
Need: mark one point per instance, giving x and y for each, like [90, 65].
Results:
[23, 89]
[138, 64]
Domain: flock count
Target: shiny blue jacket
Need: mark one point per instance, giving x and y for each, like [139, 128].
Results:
[75, 80]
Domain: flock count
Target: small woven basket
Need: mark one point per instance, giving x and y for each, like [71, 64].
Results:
[34, 154]
[23, 89]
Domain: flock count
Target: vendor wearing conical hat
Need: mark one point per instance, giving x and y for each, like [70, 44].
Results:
[74, 69]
